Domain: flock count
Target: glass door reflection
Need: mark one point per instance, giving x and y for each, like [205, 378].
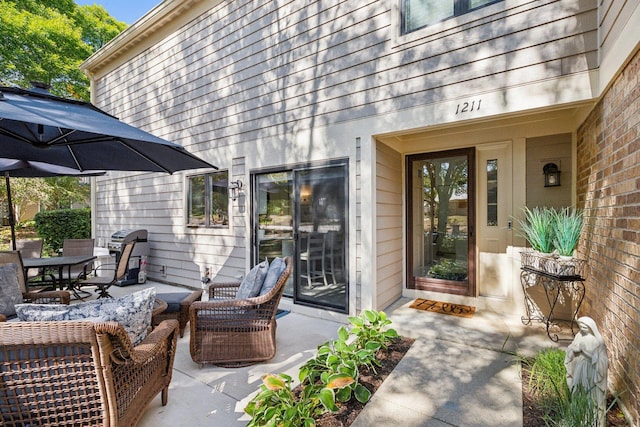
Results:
[274, 237]
[321, 236]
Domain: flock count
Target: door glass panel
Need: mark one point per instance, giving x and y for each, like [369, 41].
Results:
[321, 237]
[302, 213]
[440, 228]
[274, 206]
[492, 193]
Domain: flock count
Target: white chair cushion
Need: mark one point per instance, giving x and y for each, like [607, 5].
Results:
[132, 311]
[10, 293]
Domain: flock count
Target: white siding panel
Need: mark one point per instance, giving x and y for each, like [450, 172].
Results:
[250, 75]
[388, 226]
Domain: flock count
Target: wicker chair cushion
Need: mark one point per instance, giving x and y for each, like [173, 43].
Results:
[10, 293]
[250, 286]
[276, 268]
[132, 311]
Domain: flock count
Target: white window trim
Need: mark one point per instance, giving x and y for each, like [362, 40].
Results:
[436, 30]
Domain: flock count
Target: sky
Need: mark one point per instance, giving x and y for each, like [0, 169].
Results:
[127, 11]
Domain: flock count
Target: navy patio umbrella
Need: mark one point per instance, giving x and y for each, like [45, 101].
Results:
[37, 126]
[26, 169]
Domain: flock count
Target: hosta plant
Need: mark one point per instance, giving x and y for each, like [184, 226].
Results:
[329, 378]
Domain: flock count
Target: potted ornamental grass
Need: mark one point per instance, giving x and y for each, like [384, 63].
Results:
[538, 228]
[567, 226]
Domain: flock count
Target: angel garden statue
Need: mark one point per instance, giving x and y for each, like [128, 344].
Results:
[587, 364]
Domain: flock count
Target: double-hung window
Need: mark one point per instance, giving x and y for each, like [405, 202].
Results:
[208, 200]
[418, 14]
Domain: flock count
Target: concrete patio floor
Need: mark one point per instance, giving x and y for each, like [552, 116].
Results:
[457, 373]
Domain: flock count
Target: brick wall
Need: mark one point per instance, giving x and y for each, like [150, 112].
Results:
[608, 179]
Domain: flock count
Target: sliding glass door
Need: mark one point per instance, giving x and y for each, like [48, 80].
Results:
[303, 213]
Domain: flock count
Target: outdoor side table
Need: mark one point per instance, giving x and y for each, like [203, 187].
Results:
[178, 304]
[555, 287]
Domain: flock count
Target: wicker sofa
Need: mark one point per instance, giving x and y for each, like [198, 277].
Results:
[230, 332]
[71, 373]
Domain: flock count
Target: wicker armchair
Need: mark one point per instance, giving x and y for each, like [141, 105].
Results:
[81, 373]
[230, 332]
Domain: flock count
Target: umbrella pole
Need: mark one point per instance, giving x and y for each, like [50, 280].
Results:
[12, 221]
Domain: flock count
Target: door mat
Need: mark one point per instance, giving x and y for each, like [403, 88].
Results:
[281, 313]
[443, 307]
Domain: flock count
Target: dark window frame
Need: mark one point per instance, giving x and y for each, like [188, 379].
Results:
[208, 218]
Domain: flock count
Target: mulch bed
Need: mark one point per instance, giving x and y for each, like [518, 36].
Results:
[533, 414]
[349, 411]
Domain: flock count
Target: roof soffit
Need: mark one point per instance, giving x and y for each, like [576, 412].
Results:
[155, 25]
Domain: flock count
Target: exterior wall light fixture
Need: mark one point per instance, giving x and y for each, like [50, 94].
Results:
[551, 175]
[234, 188]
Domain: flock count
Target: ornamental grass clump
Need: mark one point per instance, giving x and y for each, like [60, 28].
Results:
[329, 378]
[538, 228]
[567, 226]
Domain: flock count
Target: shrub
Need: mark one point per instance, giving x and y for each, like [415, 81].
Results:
[55, 226]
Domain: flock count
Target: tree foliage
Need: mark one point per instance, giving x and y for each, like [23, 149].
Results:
[44, 193]
[47, 41]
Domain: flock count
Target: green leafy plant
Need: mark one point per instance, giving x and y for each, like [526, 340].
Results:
[276, 404]
[370, 329]
[538, 228]
[330, 377]
[567, 226]
[547, 382]
[547, 375]
[448, 269]
[578, 409]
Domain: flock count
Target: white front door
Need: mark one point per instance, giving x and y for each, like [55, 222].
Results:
[494, 219]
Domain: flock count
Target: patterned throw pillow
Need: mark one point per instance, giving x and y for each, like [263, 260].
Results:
[250, 286]
[10, 293]
[132, 311]
[276, 268]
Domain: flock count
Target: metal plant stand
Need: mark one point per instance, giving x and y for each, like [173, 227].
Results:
[559, 280]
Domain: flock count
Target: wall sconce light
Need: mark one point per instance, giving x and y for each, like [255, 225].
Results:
[551, 175]
[234, 188]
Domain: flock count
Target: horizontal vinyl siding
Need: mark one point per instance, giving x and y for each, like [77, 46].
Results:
[239, 74]
[253, 74]
[388, 226]
[614, 15]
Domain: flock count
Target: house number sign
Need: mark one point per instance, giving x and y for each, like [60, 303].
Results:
[467, 107]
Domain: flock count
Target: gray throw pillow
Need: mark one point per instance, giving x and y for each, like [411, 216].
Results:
[250, 286]
[276, 268]
[10, 293]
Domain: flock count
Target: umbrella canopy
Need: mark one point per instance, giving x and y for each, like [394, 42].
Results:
[40, 127]
[26, 169]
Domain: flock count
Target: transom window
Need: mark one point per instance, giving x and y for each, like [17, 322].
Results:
[418, 14]
[208, 200]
